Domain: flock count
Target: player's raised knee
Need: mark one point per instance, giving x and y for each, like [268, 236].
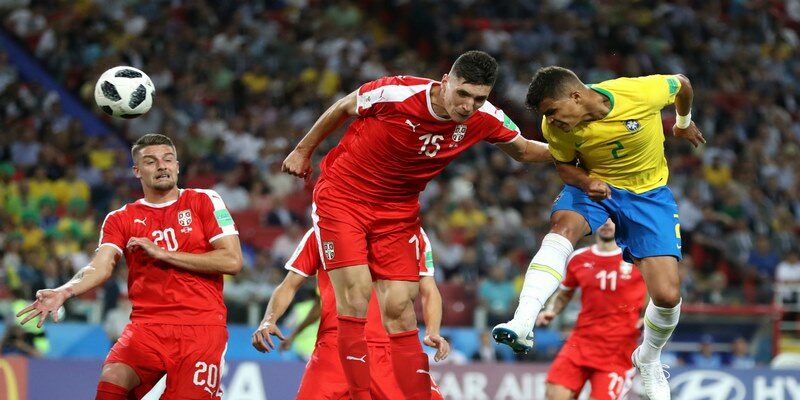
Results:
[666, 297]
[120, 375]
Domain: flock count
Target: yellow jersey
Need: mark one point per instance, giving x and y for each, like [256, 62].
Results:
[626, 148]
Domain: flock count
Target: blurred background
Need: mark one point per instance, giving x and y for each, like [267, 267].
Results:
[239, 82]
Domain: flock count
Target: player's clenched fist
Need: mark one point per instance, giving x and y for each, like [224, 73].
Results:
[261, 338]
[597, 190]
[297, 164]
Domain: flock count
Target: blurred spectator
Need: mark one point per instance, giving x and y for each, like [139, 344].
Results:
[14, 343]
[740, 357]
[116, 319]
[235, 196]
[496, 293]
[281, 215]
[706, 358]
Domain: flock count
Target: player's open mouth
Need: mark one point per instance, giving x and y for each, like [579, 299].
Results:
[162, 176]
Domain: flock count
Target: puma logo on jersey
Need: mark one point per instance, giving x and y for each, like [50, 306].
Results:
[140, 221]
[362, 358]
[412, 125]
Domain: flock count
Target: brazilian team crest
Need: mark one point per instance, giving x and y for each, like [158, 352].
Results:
[327, 248]
[185, 217]
[632, 125]
[459, 132]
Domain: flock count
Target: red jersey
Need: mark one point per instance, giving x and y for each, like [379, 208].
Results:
[397, 144]
[306, 261]
[159, 292]
[612, 297]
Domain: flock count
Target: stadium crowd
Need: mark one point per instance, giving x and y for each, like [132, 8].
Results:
[238, 83]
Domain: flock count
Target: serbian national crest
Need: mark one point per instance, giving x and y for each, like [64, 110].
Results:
[185, 217]
[327, 248]
[632, 125]
[459, 132]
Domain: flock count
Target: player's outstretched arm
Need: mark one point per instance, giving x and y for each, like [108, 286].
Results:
[313, 316]
[278, 303]
[432, 314]
[576, 176]
[226, 258]
[524, 150]
[49, 300]
[298, 162]
[684, 127]
[555, 307]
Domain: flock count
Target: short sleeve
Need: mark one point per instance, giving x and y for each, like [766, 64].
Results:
[112, 233]
[660, 89]
[381, 95]
[217, 221]
[561, 144]
[506, 130]
[306, 259]
[569, 281]
[426, 267]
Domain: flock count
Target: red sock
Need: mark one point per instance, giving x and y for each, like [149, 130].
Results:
[353, 353]
[110, 391]
[410, 365]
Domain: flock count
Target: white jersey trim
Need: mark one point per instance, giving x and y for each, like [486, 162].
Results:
[386, 94]
[222, 235]
[428, 100]
[576, 252]
[290, 262]
[103, 225]
[428, 250]
[596, 250]
[112, 245]
[515, 138]
[219, 204]
[160, 205]
[296, 271]
[315, 220]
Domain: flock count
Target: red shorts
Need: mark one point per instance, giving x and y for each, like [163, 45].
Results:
[324, 377]
[607, 384]
[351, 232]
[192, 356]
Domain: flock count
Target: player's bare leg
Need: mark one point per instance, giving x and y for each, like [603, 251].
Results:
[558, 392]
[353, 288]
[410, 362]
[660, 319]
[116, 381]
[545, 273]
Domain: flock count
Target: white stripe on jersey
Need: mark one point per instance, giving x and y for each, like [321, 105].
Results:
[290, 262]
[388, 93]
[216, 201]
[428, 250]
[100, 240]
[315, 221]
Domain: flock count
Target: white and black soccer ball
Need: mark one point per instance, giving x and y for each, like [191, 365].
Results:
[124, 92]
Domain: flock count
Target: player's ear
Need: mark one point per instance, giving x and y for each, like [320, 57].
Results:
[136, 172]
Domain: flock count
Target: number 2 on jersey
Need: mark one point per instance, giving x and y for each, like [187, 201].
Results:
[430, 139]
[168, 237]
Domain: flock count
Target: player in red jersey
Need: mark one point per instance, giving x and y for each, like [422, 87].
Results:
[324, 377]
[366, 207]
[613, 295]
[177, 244]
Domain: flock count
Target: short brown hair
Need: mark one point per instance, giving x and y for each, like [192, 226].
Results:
[475, 67]
[550, 83]
[151, 139]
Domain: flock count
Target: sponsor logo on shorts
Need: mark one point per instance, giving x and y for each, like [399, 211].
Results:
[353, 358]
[327, 248]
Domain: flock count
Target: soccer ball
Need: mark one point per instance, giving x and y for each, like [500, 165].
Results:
[124, 92]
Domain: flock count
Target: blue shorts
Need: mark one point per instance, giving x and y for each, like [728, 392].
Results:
[647, 223]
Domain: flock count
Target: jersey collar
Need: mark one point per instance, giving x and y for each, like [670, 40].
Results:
[430, 104]
[161, 205]
[596, 250]
[606, 93]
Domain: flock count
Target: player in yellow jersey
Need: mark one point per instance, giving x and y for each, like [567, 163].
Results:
[608, 143]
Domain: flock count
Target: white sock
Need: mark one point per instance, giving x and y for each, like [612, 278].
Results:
[659, 323]
[545, 273]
